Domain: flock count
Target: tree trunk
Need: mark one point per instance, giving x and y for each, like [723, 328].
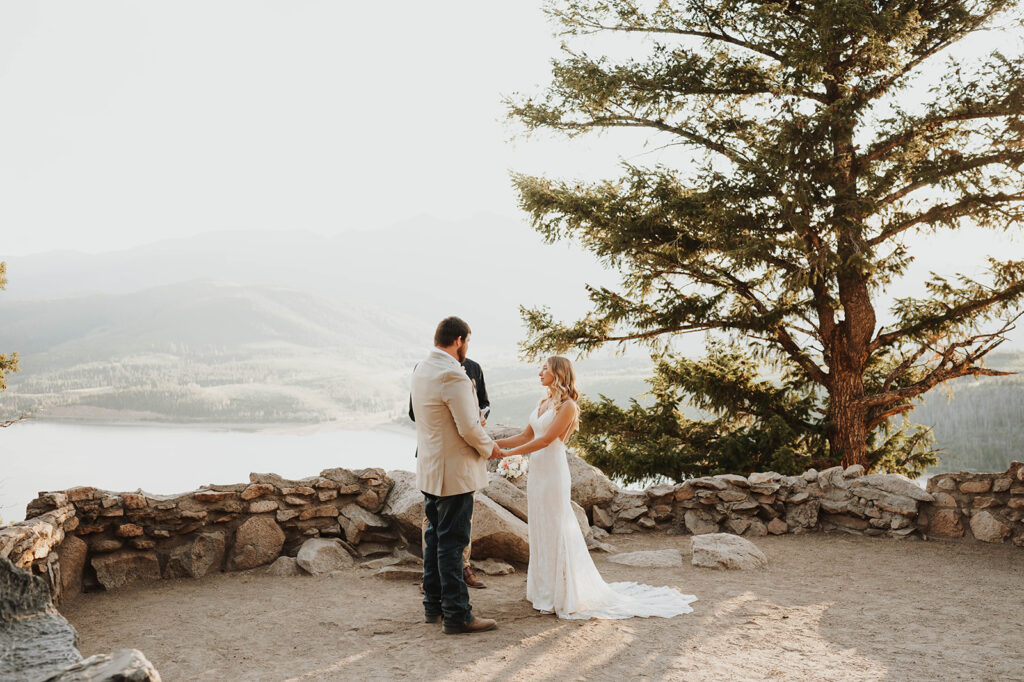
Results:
[847, 435]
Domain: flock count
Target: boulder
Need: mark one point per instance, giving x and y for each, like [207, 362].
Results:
[71, 553]
[323, 555]
[505, 493]
[258, 541]
[404, 505]
[197, 557]
[722, 550]
[127, 665]
[975, 486]
[357, 522]
[777, 527]
[660, 558]
[699, 522]
[497, 533]
[892, 483]
[284, 566]
[804, 515]
[589, 484]
[581, 518]
[897, 504]
[987, 528]
[602, 519]
[125, 566]
[853, 471]
[35, 640]
[946, 523]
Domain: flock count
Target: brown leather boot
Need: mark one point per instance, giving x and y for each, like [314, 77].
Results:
[471, 579]
[475, 625]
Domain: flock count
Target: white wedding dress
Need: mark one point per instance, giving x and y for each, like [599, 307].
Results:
[561, 577]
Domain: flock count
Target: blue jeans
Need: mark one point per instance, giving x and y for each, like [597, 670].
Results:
[448, 528]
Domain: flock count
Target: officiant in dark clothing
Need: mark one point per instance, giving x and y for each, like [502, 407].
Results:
[476, 375]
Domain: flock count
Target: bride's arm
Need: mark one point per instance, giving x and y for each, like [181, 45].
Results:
[564, 416]
[525, 437]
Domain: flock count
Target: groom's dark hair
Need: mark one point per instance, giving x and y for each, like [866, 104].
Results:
[450, 329]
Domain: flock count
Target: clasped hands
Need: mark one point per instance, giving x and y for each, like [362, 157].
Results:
[497, 452]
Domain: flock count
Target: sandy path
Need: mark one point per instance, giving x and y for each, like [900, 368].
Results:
[828, 607]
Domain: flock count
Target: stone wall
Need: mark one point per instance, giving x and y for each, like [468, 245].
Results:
[988, 507]
[84, 538]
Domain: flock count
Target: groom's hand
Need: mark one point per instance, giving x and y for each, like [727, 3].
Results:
[495, 452]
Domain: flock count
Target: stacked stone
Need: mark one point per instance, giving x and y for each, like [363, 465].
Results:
[132, 536]
[31, 544]
[763, 503]
[989, 507]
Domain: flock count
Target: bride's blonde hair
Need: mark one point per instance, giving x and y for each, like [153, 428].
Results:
[564, 386]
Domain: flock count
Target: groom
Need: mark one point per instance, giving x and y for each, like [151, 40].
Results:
[453, 449]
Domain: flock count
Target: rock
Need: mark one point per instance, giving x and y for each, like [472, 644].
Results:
[777, 527]
[660, 558]
[738, 525]
[845, 521]
[987, 528]
[1001, 485]
[213, 495]
[722, 550]
[734, 479]
[975, 486]
[1014, 503]
[71, 553]
[400, 573]
[946, 523]
[712, 483]
[258, 541]
[494, 567]
[944, 500]
[811, 475]
[699, 522]
[853, 471]
[284, 566]
[404, 505]
[357, 521]
[370, 549]
[124, 665]
[323, 511]
[497, 533]
[105, 545]
[757, 529]
[897, 504]
[685, 491]
[129, 530]
[262, 506]
[286, 515]
[257, 490]
[985, 502]
[589, 484]
[832, 478]
[731, 495]
[323, 555]
[197, 557]
[602, 518]
[134, 501]
[125, 566]
[646, 523]
[581, 519]
[35, 640]
[803, 515]
[893, 484]
[507, 495]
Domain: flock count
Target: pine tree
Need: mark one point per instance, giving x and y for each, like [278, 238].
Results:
[813, 171]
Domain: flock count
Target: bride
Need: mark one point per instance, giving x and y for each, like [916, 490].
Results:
[561, 577]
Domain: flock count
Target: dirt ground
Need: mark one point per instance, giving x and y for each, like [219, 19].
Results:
[828, 607]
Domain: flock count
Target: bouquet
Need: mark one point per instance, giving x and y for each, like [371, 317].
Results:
[514, 466]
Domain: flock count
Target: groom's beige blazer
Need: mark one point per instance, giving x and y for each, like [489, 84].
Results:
[452, 446]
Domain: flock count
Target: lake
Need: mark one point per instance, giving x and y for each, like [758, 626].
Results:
[36, 456]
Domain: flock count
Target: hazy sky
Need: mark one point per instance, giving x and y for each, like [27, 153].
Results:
[126, 122]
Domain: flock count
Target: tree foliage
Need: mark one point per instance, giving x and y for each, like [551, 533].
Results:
[8, 363]
[809, 172]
